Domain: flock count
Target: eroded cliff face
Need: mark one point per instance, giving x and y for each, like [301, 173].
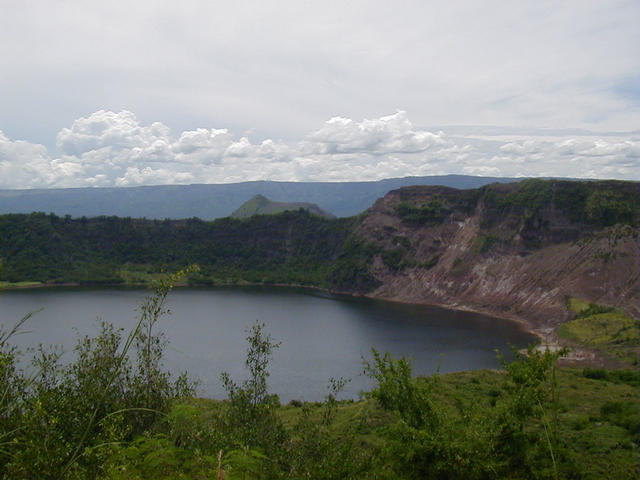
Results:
[509, 251]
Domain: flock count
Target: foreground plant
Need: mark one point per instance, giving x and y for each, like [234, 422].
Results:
[66, 419]
[250, 418]
[518, 437]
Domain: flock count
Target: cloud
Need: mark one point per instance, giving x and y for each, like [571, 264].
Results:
[282, 69]
[23, 164]
[108, 129]
[574, 157]
[378, 136]
[150, 176]
[115, 149]
[202, 146]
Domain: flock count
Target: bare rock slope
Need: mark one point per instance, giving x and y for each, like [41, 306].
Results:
[514, 251]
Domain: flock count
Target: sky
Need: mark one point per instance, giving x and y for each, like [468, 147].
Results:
[177, 92]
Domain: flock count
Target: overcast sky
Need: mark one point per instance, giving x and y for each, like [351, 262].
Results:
[158, 92]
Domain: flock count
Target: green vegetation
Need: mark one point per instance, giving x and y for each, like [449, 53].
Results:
[260, 205]
[350, 271]
[484, 243]
[432, 262]
[393, 258]
[113, 413]
[610, 331]
[611, 207]
[19, 284]
[292, 247]
[65, 420]
[531, 196]
[551, 211]
[430, 213]
[300, 248]
[601, 204]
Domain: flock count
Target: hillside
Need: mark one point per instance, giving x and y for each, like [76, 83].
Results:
[514, 251]
[510, 250]
[209, 202]
[261, 205]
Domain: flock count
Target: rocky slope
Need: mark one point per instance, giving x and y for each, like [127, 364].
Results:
[514, 251]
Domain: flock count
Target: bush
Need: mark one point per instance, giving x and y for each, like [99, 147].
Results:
[431, 213]
[622, 414]
[593, 309]
[250, 417]
[630, 377]
[595, 373]
[66, 420]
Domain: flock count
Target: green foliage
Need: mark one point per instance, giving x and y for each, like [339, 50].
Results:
[112, 415]
[483, 243]
[431, 213]
[544, 212]
[259, 353]
[595, 373]
[157, 457]
[475, 425]
[297, 247]
[608, 330]
[610, 207]
[350, 271]
[294, 247]
[152, 382]
[622, 414]
[428, 441]
[66, 420]
[518, 437]
[250, 418]
[260, 205]
[532, 194]
[393, 258]
[244, 463]
[316, 451]
[593, 309]
[628, 377]
[397, 391]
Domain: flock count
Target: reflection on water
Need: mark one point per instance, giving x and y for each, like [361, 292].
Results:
[322, 335]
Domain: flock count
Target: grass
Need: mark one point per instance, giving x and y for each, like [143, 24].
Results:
[613, 328]
[598, 420]
[576, 305]
[139, 274]
[606, 445]
[18, 284]
[609, 331]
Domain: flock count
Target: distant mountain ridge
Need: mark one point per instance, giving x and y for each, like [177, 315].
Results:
[261, 205]
[213, 201]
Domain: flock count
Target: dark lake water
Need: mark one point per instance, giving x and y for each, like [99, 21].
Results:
[322, 335]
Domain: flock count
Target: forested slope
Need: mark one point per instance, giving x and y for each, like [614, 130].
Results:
[292, 247]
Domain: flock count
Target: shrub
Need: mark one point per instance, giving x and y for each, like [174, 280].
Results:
[67, 420]
[250, 418]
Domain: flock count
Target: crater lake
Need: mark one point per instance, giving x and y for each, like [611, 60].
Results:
[322, 335]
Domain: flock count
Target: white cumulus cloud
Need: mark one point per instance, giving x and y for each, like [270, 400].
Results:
[115, 149]
[378, 136]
